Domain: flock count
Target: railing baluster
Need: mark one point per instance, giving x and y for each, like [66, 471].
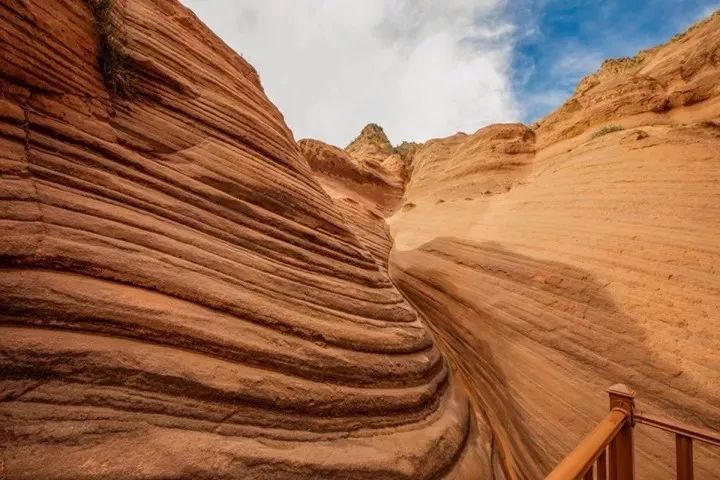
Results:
[602, 466]
[588, 475]
[684, 457]
[612, 461]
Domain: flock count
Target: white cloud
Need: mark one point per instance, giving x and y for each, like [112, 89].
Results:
[709, 10]
[577, 61]
[419, 68]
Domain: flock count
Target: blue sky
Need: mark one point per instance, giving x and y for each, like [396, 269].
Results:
[430, 68]
[564, 40]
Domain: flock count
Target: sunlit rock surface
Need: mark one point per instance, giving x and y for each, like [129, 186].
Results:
[557, 260]
[180, 297]
[189, 293]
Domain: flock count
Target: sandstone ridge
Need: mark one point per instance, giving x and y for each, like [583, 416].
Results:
[180, 297]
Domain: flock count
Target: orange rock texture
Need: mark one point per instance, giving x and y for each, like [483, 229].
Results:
[180, 297]
[188, 293]
[555, 260]
[365, 182]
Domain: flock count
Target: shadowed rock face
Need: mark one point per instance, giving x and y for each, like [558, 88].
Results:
[539, 346]
[180, 297]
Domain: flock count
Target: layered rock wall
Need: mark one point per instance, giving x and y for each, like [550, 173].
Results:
[180, 297]
[556, 260]
[189, 293]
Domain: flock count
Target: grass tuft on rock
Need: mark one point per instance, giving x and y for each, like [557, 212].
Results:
[607, 129]
[112, 58]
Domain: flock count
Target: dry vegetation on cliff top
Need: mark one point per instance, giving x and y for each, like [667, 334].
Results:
[113, 60]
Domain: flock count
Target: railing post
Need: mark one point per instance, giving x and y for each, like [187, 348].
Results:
[684, 457]
[621, 449]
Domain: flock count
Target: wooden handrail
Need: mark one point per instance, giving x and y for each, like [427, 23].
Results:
[609, 444]
[582, 458]
[608, 449]
[679, 428]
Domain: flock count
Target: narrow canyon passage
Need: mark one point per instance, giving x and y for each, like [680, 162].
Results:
[190, 292]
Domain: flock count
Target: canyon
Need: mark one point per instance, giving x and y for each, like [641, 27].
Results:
[189, 292]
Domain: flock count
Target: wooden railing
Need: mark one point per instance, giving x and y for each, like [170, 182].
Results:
[607, 453]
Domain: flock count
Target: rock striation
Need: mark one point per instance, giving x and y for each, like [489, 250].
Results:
[556, 260]
[188, 293]
[365, 181]
[180, 297]
[671, 83]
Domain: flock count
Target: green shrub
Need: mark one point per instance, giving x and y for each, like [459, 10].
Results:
[607, 129]
[112, 58]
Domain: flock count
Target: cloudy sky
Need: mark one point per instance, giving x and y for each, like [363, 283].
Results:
[430, 68]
